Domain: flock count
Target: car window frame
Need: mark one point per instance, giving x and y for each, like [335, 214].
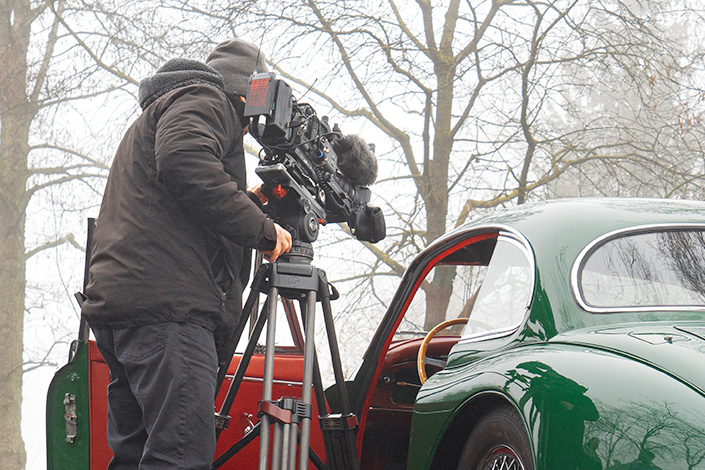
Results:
[372, 363]
[520, 241]
[594, 245]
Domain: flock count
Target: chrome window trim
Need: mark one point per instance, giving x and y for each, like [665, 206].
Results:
[516, 238]
[601, 240]
[495, 334]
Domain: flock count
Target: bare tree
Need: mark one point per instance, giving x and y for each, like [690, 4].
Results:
[19, 104]
[68, 75]
[664, 429]
[473, 105]
[485, 104]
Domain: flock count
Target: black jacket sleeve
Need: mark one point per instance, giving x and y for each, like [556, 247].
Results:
[193, 135]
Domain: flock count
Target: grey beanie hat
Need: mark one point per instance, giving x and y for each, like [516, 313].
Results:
[236, 59]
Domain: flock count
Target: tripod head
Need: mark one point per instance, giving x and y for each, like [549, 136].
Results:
[292, 272]
[301, 252]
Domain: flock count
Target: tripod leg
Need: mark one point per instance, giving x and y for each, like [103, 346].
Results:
[223, 366]
[349, 457]
[320, 396]
[249, 307]
[268, 375]
[278, 452]
[241, 368]
[237, 447]
[286, 450]
[345, 439]
[290, 462]
[309, 350]
[335, 356]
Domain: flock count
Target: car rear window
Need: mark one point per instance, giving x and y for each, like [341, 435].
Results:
[657, 268]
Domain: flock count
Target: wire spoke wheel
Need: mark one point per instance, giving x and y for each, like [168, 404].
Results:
[498, 441]
[502, 458]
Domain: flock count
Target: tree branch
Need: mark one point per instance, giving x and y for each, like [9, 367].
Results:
[70, 239]
[98, 60]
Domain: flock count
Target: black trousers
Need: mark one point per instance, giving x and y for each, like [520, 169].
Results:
[160, 397]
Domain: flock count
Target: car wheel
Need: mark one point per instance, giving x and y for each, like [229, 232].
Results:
[498, 442]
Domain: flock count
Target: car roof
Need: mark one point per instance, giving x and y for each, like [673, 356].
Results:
[573, 223]
[592, 216]
[558, 230]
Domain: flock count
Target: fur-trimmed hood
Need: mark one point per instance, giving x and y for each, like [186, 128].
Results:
[174, 74]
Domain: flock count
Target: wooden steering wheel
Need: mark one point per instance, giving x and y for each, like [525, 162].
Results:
[421, 360]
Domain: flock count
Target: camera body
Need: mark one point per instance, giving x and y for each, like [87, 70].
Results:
[299, 167]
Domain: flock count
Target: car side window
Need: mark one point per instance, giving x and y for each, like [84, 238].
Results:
[489, 283]
[505, 293]
[645, 270]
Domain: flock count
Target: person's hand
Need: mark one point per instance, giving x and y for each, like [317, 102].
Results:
[246, 129]
[283, 244]
[257, 191]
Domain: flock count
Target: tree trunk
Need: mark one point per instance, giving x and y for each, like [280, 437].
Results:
[15, 119]
[436, 175]
[438, 297]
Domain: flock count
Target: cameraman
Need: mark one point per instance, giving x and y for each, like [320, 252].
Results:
[171, 254]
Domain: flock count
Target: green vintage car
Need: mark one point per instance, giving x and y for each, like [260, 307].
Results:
[570, 335]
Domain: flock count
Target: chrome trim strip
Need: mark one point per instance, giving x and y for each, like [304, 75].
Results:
[495, 334]
[637, 229]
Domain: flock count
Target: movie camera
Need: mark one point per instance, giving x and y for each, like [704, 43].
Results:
[312, 174]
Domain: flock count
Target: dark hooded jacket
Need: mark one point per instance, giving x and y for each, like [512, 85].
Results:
[175, 226]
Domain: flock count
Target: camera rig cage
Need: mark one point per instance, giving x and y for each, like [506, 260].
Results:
[299, 166]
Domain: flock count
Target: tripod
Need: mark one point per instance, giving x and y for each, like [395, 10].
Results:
[292, 277]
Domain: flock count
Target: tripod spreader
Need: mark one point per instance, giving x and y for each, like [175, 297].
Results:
[285, 410]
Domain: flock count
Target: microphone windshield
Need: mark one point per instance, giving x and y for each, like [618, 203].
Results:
[356, 161]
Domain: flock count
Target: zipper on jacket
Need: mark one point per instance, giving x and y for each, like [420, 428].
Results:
[223, 297]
